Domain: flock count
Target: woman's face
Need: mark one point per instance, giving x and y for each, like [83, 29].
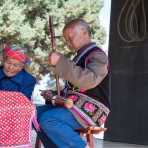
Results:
[12, 66]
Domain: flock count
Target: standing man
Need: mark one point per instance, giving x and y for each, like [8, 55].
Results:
[87, 72]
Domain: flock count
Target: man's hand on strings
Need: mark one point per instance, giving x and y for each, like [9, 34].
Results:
[68, 103]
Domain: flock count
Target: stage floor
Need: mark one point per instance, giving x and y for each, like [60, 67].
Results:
[108, 144]
[100, 143]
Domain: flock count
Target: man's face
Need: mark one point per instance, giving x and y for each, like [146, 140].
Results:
[12, 66]
[74, 37]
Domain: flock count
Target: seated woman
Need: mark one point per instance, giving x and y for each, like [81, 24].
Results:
[13, 76]
[17, 115]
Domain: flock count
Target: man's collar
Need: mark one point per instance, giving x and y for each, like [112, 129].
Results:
[83, 51]
[85, 47]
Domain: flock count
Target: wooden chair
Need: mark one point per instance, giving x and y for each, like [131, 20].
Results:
[87, 132]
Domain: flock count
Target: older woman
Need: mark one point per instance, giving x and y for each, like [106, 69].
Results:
[13, 76]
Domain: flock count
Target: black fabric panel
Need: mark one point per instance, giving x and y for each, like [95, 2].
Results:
[128, 120]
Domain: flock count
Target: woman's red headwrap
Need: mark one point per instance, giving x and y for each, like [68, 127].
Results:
[17, 53]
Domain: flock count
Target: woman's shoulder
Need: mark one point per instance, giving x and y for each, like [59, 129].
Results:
[28, 77]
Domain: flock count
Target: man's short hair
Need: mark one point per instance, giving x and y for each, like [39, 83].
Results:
[78, 22]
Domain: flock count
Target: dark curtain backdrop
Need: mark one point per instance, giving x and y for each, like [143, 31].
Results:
[128, 121]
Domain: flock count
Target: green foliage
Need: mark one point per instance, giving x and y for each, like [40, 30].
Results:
[26, 22]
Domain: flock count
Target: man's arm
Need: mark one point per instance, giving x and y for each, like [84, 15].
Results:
[91, 76]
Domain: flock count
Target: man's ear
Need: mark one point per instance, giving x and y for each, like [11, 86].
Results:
[84, 32]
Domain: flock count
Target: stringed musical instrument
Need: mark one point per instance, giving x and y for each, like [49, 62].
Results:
[57, 99]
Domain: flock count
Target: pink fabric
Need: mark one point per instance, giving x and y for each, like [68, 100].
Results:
[79, 116]
[73, 97]
[87, 110]
[16, 114]
[89, 107]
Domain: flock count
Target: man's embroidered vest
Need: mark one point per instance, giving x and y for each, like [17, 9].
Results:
[100, 92]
